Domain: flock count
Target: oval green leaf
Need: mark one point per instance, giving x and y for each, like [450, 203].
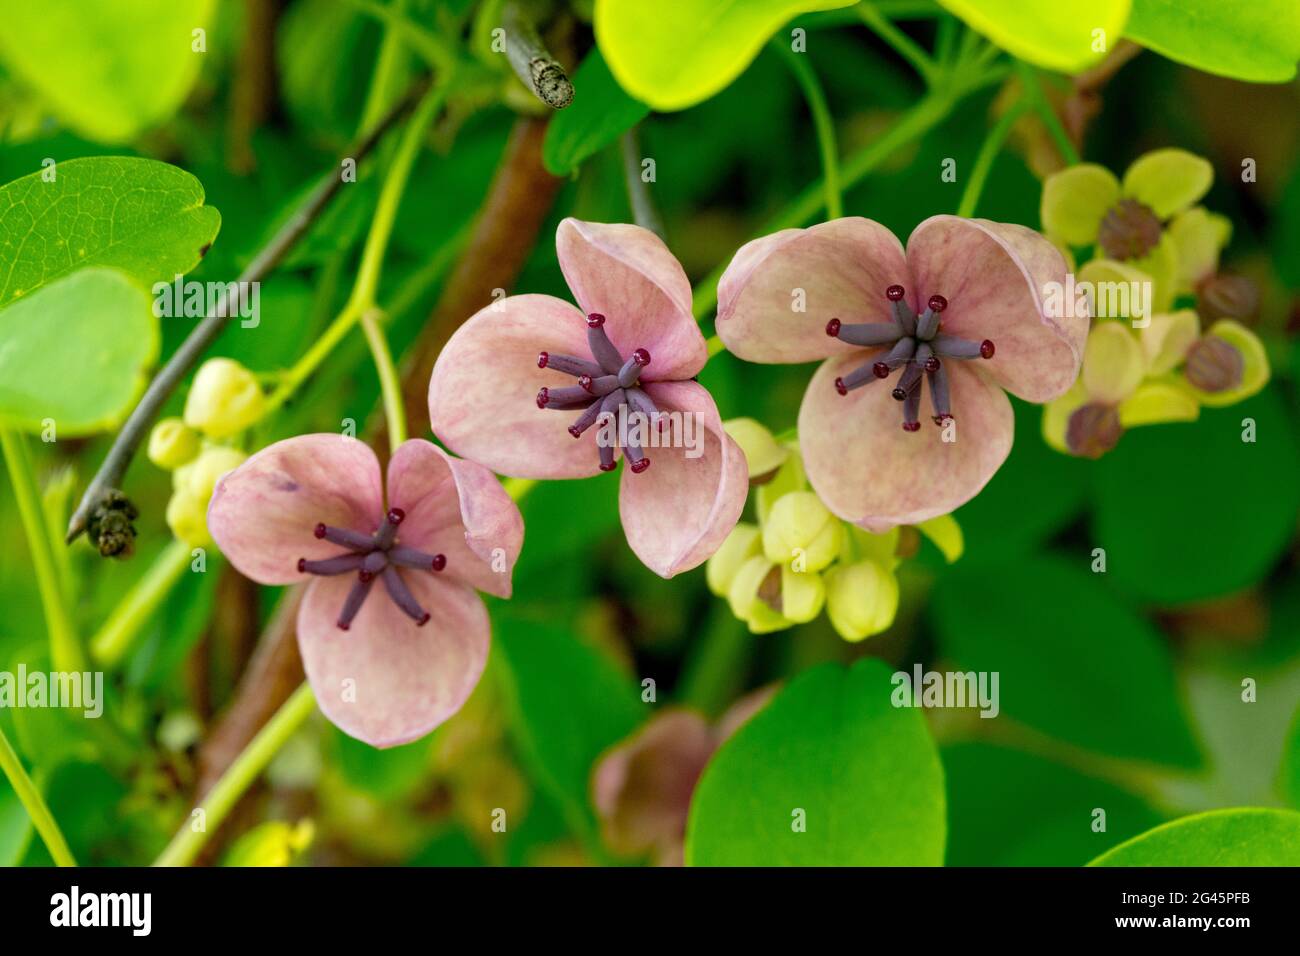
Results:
[1199, 510]
[1250, 836]
[1072, 660]
[830, 773]
[1064, 35]
[1257, 41]
[674, 55]
[141, 216]
[594, 120]
[75, 353]
[111, 68]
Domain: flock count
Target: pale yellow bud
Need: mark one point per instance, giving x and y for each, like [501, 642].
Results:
[740, 545]
[801, 533]
[172, 443]
[861, 599]
[224, 400]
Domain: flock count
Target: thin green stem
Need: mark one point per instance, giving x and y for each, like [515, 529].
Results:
[362, 298]
[902, 44]
[428, 45]
[65, 650]
[248, 766]
[1034, 93]
[31, 799]
[715, 345]
[970, 196]
[822, 121]
[119, 632]
[390, 382]
[928, 112]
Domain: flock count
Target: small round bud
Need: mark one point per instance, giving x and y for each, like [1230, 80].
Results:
[800, 528]
[200, 476]
[187, 516]
[224, 400]
[763, 453]
[172, 443]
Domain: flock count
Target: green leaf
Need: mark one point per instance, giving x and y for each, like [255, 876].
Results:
[569, 703]
[76, 353]
[1290, 773]
[1072, 660]
[111, 68]
[593, 121]
[1257, 41]
[1009, 808]
[1056, 34]
[15, 826]
[673, 55]
[138, 215]
[1191, 511]
[864, 773]
[1249, 836]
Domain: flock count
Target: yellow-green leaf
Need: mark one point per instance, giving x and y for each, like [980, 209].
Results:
[1064, 35]
[677, 53]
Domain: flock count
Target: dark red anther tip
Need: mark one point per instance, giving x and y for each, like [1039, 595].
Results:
[302, 563]
[573, 430]
[610, 467]
[439, 562]
[396, 515]
[839, 386]
[880, 370]
[986, 349]
[895, 293]
[833, 328]
[937, 303]
[595, 320]
[585, 381]
[423, 621]
[542, 359]
[898, 394]
[641, 357]
[940, 419]
[345, 627]
[640, 466]
[319, 530]
[543, 396]
[932, 364]
[365, 576]
[911, 426]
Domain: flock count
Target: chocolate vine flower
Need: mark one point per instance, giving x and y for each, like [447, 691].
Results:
[393, 636]
[935, 334]
[535, 388]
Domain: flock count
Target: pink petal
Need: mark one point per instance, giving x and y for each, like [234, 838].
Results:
[459, 509]
[843, 267]
[869, 471]
[677, 512]
[483, 393]
[387, 681]
[994, 276]
[642, 787]
[263, 513]
[627, 274]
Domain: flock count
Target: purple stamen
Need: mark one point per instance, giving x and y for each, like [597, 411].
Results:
[403, 598]
[372, 556]
[601, 347]
[916, 345]
[352, 540]
[569, 364]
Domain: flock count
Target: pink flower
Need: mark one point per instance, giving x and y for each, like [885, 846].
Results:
[959, 316]
[627, 357]
[390, 662]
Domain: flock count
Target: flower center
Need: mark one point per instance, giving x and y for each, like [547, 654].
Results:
[371, 556]
[1214, 366]
[914, 343]
[1129, 230]
[607, 392]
